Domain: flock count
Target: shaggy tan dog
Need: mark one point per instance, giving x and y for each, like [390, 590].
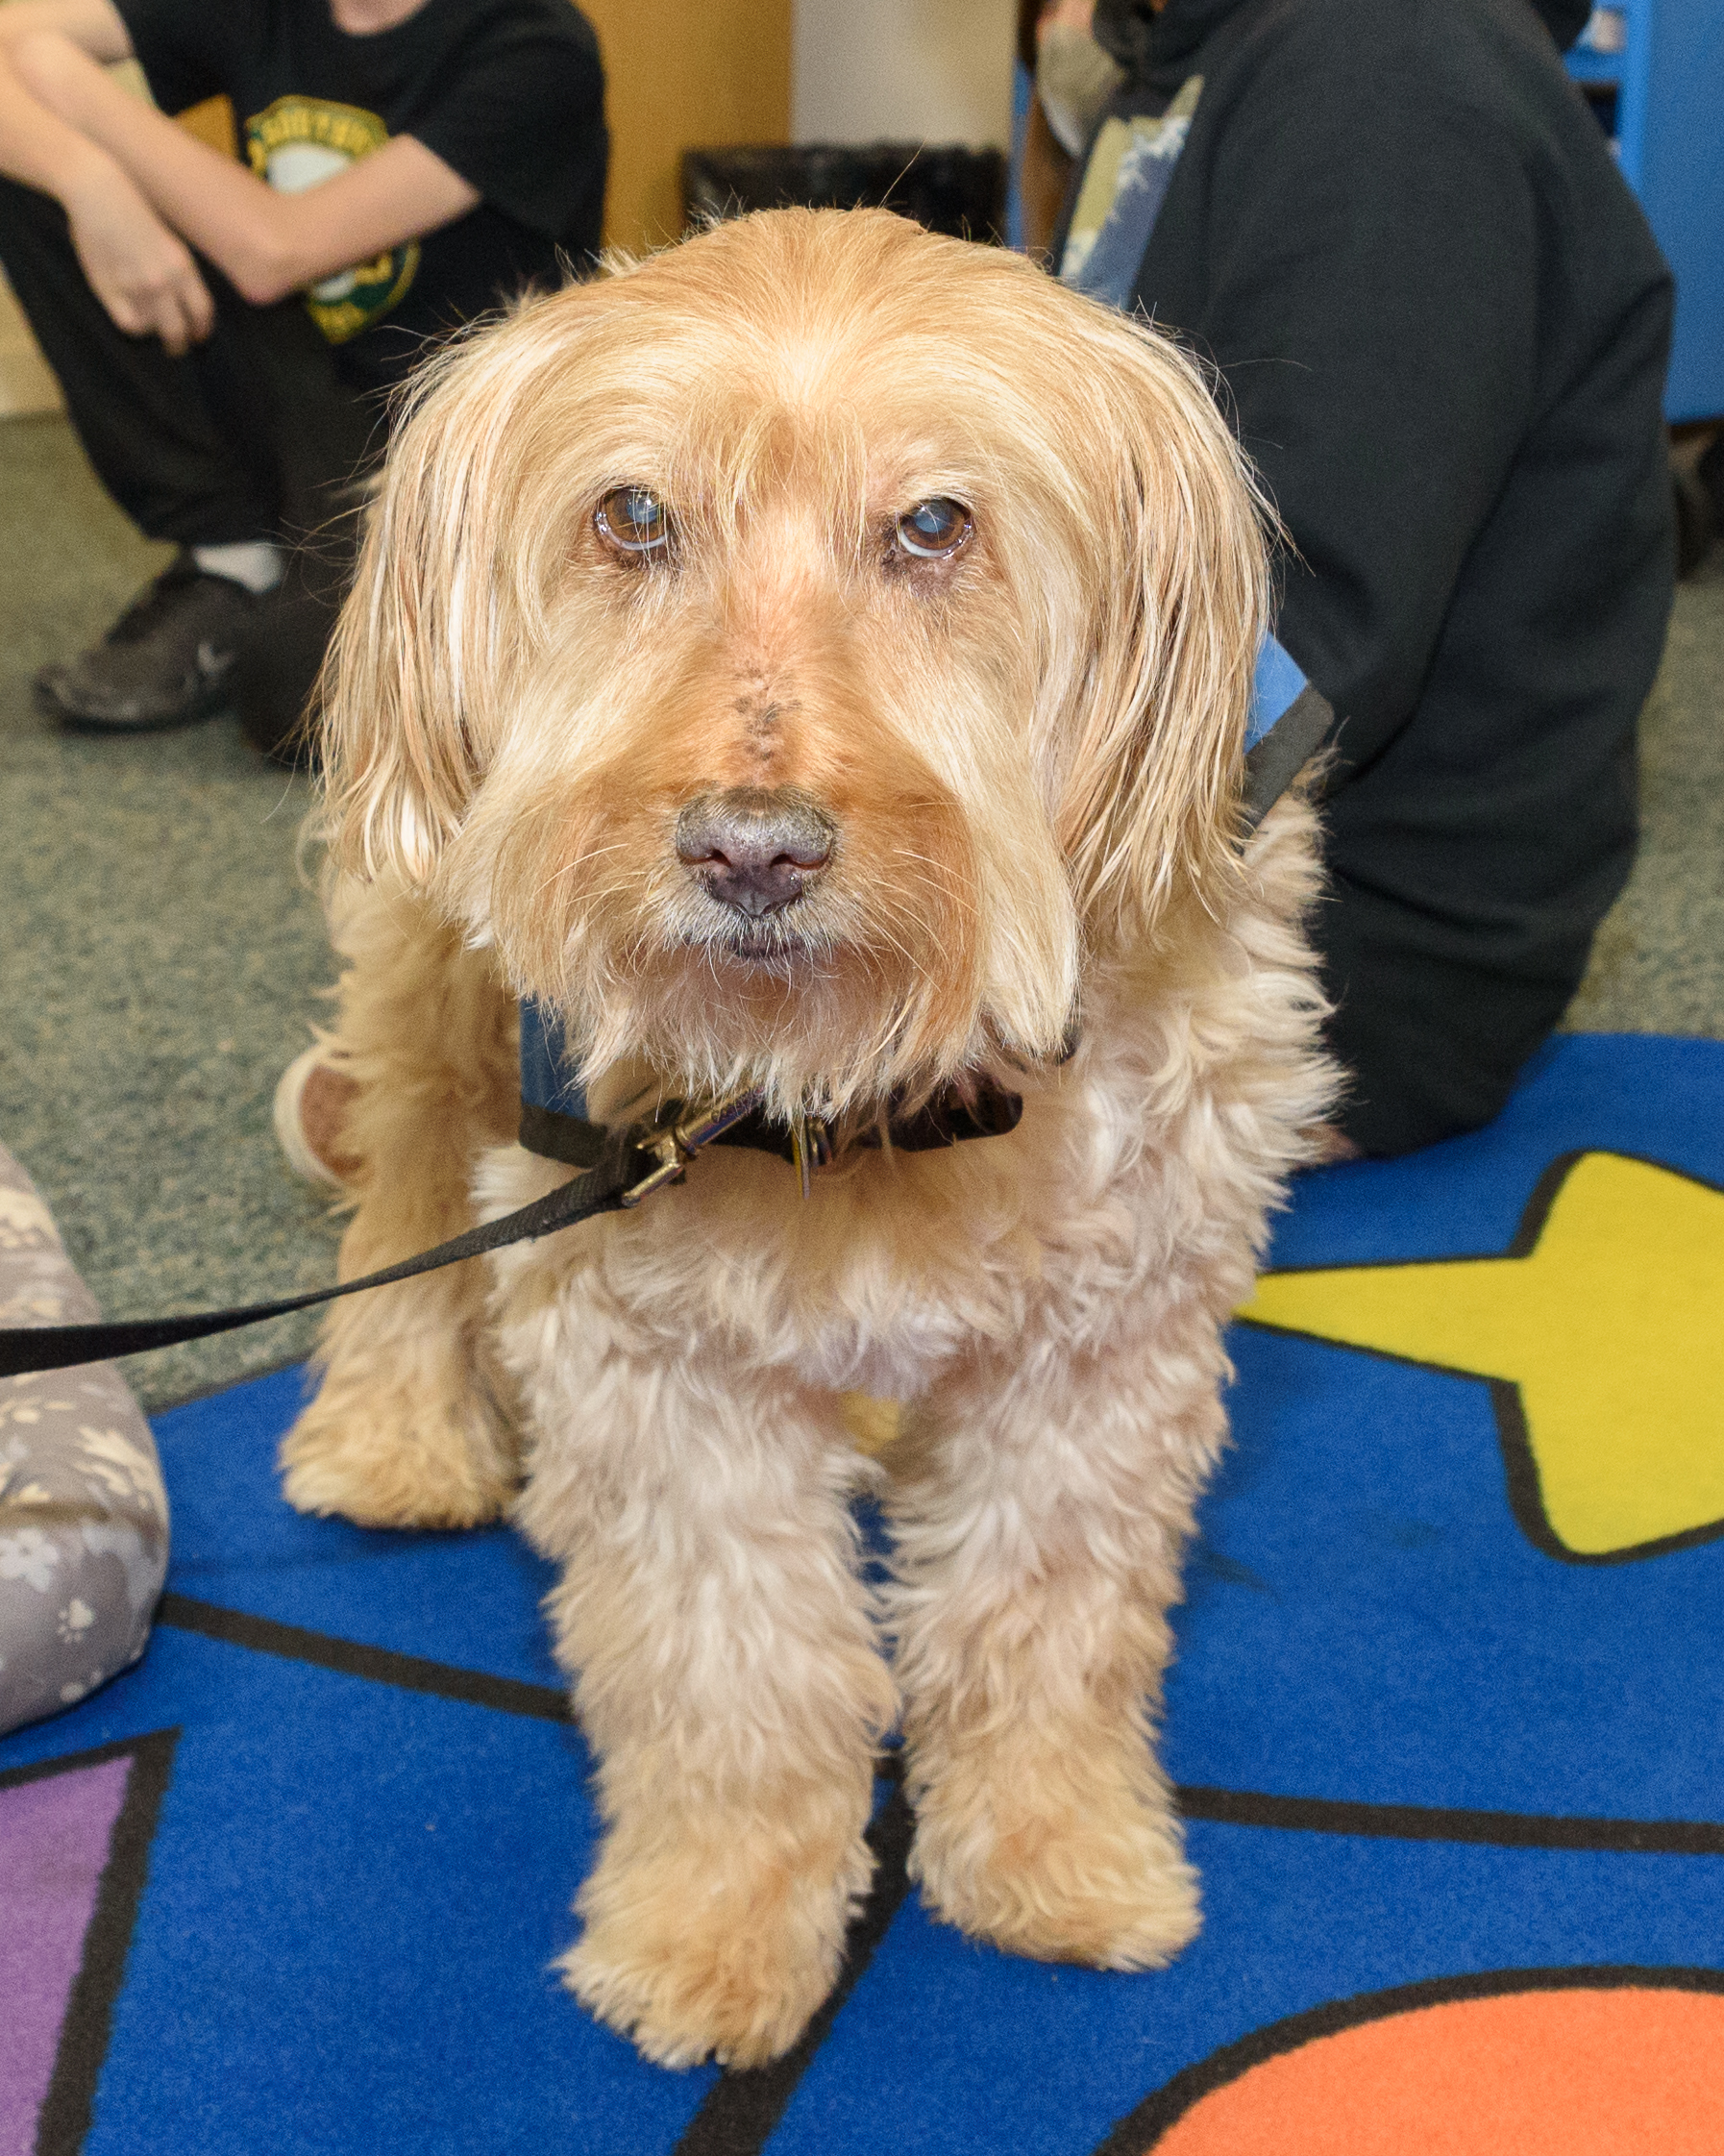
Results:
[819, 655]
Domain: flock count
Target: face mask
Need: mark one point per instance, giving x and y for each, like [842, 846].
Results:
[1074, 79]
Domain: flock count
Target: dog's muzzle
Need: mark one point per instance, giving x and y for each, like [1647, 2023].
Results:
[755, 849]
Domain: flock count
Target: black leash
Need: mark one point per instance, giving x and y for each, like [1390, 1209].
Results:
[623, 1166]
[63, 1347]
[632, 1164]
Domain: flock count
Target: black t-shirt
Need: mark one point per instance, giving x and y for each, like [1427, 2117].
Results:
[509, 93]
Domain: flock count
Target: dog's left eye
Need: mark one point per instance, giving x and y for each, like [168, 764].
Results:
[634, 521]
[933, 530]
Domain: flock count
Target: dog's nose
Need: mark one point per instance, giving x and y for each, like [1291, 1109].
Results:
[756, 848]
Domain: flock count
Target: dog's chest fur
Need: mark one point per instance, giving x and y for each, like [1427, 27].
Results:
[1098, 1211]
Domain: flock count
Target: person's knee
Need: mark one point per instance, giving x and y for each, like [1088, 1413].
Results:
[1432, 1051]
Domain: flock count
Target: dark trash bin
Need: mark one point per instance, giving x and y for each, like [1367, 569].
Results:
[947, 190]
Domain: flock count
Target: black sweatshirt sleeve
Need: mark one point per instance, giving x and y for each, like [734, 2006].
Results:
[1374, 314]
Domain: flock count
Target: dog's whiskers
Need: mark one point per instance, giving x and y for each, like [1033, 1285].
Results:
[943, 884]
[580, 861]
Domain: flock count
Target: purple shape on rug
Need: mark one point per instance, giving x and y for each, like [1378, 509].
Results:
[54, 1840]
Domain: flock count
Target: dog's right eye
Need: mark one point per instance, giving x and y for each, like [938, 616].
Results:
[933, 530]
[633, 521]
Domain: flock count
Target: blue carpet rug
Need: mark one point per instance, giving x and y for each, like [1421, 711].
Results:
[1447, 1720]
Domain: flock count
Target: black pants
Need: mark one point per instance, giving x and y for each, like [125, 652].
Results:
[259, 433]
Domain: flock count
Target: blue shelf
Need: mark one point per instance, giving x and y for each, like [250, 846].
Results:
[1669, 84]
[1594, 67]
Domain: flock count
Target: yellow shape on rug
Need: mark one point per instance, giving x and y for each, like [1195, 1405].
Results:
[1611, 1324]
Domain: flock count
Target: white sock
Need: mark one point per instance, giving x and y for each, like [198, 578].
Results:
[256, 564]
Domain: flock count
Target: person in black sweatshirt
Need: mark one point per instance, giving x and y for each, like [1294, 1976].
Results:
[1442, 325]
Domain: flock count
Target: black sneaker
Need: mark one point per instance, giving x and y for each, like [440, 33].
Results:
[165, 662]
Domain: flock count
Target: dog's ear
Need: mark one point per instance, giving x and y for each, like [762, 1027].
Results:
[396, 755]
[1154, 719]
[443, 605]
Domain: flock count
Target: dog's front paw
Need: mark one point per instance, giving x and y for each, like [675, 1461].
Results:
[1106, 1884]
[393, 1450]
[727, 1959]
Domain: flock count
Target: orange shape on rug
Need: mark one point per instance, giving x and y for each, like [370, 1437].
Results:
[1623, 2071]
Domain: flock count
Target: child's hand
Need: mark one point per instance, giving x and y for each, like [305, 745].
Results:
[142, 273]
[139, 269]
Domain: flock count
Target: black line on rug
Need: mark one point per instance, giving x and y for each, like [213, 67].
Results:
[1140, 2130]
[69, 1762]
[70, 2105]
[349, 1658]
[1526, 1495]
[1430, 1823]
[1226, 1807]
[741, 2110]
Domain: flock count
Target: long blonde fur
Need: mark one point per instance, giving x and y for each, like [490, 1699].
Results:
[1031, 759]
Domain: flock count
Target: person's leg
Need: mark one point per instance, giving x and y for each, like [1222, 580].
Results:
[236, 451]
[1432, 1046]
[330, 433]
[1469, 868]
[144, 418]
[280, 660]
[146, 423]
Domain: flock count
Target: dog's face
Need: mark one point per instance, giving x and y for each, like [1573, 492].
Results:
[796, 653]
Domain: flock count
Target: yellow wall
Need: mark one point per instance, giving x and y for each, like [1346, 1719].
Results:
[684, 75]
[213, 122]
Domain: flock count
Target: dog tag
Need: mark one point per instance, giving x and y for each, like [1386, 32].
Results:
[810, 1147]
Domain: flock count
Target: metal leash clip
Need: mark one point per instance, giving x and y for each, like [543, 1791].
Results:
[676, 1146]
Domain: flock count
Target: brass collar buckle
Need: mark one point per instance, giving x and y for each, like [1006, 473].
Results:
[676, 1145]
[674, 1139]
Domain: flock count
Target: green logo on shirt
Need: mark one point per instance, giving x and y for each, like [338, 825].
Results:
[300, 141]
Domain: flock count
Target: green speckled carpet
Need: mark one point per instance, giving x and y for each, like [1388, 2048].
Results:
[160, 957]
